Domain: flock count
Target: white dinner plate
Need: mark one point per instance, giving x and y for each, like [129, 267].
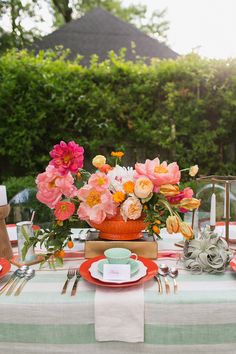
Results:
[97, 275]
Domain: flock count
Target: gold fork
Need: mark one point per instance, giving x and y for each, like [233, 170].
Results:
[78, 276]
[70, 275]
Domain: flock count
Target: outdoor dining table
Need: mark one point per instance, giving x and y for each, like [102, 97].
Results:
[200, 318]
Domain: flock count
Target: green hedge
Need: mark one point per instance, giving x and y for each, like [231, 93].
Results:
[183, 110]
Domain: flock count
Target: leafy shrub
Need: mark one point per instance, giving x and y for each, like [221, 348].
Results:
[183, 109]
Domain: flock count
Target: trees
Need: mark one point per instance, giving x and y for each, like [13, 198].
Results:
[18, 13]
[14, 12]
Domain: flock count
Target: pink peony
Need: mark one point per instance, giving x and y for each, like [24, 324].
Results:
[51, 186]
[96, 205]
[99, 181]
[131, 209]
[64, 210]
[185, 193]
[158, 173]
[67, 157]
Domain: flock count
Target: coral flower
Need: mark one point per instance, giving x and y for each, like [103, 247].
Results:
[64, 210]
[99, 181]
[105, 168]
[96, 205]
[172, 224]
[51, 186]
[169, 190]
[158, 173]
[67, 157]
[186, 230]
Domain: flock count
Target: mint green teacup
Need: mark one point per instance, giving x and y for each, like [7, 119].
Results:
[119, 255]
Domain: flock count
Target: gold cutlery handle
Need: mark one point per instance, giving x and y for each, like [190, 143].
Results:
[175, 286]
[167, 285]
[12, 287]
[19, 289]
[73, 291]
[9, 282]
[65, 287]
[160, 289]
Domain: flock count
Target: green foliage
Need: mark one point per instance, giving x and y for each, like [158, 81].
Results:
[15, 185]
[182, 110]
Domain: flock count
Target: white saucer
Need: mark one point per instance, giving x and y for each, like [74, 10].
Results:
[98, 275]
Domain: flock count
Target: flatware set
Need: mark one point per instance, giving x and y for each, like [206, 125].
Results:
[165, 272]
[70, 275]
[20, 276]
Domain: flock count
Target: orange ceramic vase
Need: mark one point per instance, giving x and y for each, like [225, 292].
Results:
[117, 229]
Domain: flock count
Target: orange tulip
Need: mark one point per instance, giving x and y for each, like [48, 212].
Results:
[172, 224]
[189, 203]
[186, 230]
[169, 190]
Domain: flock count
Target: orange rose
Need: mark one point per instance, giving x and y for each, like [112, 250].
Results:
[186, 230]
[172, 224]
[169, 190]
[189, 203]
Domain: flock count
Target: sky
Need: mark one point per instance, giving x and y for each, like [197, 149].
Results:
[206, 26]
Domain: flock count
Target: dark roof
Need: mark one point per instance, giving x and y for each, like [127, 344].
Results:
[98, 32]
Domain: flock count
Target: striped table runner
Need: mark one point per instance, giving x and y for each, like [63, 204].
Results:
[201, 318]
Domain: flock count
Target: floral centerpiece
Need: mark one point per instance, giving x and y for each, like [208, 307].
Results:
[148, 191]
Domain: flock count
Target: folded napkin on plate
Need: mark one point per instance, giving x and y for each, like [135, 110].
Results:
[119, 314]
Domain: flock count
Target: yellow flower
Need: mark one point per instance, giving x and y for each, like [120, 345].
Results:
[169, 190]
[186, 230]
[98, 161]
[119, 197]
[172, 224]
[189, 203]
[158, 222]
[193, 170]
[128, 187]
[118, 154]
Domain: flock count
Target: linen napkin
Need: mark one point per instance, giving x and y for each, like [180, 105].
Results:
[119, 314]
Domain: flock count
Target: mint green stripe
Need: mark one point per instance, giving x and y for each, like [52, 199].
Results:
[192, 297]
[221, 277]
[48, 298]
[47, 334]
[191, 334]
[84, 334]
